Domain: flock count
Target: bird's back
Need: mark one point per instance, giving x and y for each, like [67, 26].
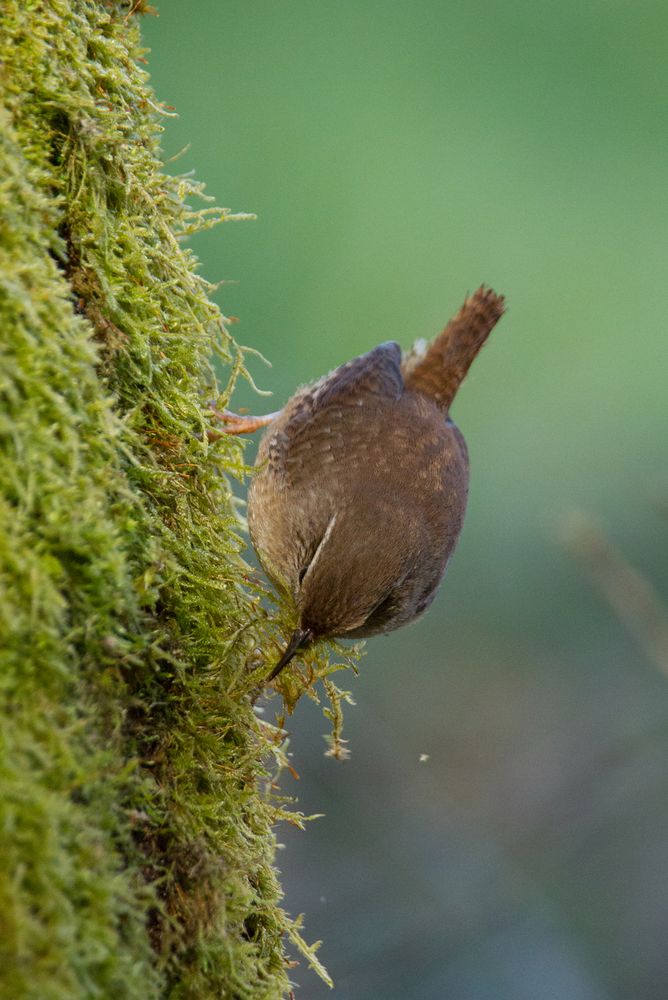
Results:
[387, 464]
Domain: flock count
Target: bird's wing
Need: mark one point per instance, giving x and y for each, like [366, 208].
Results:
[324, 419]
[377, 373]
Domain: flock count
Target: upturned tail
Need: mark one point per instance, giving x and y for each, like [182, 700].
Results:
[440, 371]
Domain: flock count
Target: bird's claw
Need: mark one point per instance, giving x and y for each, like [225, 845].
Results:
[237, 424]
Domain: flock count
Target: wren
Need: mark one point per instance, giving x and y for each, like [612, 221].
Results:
[362, 481]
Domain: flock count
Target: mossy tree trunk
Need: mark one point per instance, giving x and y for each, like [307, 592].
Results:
[136, 849]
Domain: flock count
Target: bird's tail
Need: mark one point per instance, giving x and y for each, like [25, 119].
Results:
[440, 370]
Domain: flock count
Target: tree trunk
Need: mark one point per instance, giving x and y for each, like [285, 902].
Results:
[136, 848]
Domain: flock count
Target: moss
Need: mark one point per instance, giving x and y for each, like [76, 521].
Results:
[136, 842]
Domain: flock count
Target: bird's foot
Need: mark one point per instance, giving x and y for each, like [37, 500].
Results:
[237, 424]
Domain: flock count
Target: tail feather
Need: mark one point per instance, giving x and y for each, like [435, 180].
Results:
[439, 372]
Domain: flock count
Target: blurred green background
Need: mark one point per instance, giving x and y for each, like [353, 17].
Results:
[398, 155]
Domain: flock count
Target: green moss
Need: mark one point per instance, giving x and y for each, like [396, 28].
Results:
[136, 843]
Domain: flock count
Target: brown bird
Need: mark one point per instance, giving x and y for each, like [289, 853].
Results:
[362, 483]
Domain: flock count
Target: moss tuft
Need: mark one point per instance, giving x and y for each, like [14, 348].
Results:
[136, 843]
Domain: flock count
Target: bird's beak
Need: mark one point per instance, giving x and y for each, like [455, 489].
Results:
[299, 638]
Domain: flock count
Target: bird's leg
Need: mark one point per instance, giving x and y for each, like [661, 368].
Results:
[236, 424]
